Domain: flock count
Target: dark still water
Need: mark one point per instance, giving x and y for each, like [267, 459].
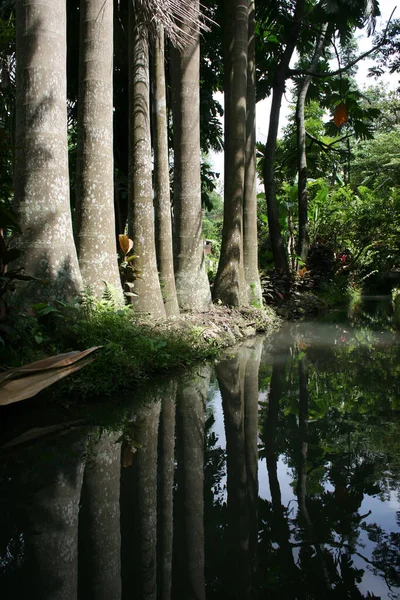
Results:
[274, 474]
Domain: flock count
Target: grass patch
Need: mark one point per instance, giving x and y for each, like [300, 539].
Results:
[133, 349]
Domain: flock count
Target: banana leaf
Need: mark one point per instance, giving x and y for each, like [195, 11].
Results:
[27, 381]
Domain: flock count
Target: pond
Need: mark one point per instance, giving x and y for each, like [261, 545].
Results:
[272, 474]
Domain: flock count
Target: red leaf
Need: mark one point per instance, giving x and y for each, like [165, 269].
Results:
[341, 115]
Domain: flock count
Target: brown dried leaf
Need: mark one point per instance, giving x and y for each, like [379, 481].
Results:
[16, 390]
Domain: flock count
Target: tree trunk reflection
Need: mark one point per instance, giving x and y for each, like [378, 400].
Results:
[189, 580]
[51, 519]
[238, 383]
[139, 505]
[302, 473]
[99, 528]
[166, 448]
[281, 525]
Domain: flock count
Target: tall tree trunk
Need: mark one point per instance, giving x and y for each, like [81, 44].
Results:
[304, 240]
[191, 400]
[95, 163]
[190, 275]
[166, 460]
[99, 522]
[276, 238]
[162, 199]
[230, 285]
[231, 377]
[277, 243]
[41, 157]
[141, 217]
[250, 241]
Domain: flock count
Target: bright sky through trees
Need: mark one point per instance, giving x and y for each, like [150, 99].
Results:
[263, 107]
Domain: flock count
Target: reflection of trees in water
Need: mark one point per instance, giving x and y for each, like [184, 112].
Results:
[188, 568]
[99, 516]
[386, 554]
[278, 569]
[238, 383]
[324, 534]
[139, 506]
[166, 451]
[45, 502]
[182, 535]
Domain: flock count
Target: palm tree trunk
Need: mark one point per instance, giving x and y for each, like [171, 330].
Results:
[230, 286]
[162, 199]
[141, 217]
[41, 156]
[190, 275]
[95, 163]
[250, 241]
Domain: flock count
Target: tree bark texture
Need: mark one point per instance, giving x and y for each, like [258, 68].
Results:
[231, 380]
[230, 285]
[190, 275]
[41, 154]
[141, 217]
[166, 460]
[250, 241]
[99, 522]
[278, 89]
[304, 240]
[162, 197]
[95, 164]
[191, 401]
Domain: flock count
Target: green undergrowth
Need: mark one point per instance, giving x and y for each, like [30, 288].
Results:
[340, 292]
[133, 349]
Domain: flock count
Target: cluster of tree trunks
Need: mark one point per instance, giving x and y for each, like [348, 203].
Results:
[172, 272]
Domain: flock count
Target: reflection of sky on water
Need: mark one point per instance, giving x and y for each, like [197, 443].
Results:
[383, 512]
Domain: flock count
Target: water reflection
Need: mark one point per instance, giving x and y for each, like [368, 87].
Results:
[170, 500]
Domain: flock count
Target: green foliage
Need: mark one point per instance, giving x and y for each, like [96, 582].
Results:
[209, 182]
[377, 162]
[132, 349]
[212, 231]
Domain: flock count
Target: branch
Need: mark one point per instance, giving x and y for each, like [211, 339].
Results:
[327, 147]
[312, 73]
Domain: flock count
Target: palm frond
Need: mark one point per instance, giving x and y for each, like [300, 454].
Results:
[181, 19]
